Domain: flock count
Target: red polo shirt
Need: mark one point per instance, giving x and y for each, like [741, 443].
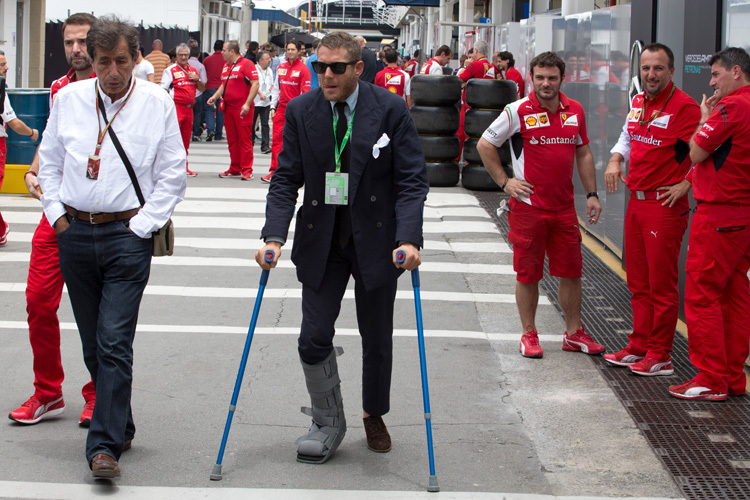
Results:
[659, 151]
[543, 147]
[237, 84]
[724, 177]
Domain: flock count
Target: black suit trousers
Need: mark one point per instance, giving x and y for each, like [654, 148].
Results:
[374, 308]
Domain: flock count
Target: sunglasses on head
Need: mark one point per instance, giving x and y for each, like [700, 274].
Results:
[338, 68]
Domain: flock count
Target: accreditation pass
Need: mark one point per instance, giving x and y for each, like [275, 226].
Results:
[337, 188]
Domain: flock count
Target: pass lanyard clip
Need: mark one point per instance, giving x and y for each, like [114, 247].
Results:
[656, 113]
[339, 149]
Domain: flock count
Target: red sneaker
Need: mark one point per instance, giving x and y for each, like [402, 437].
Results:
[88, 410]
[4, 237]
[650, 367]
[581, 341]
[190, 173]
[267, 178]
[33, 410]
[229, 173]
[693, 390]
[622, 358]
[247, 177]
[530, 347]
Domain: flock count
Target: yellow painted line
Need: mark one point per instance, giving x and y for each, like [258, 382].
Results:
[614, 263]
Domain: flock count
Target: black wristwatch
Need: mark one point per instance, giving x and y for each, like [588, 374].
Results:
[593, 193]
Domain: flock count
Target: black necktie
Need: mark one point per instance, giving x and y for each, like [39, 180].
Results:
[343, 216]
[341, 126]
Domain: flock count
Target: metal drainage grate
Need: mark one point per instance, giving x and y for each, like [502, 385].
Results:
[680, 432]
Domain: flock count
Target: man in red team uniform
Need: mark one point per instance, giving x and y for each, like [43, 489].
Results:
[181, 81]
[479, 67]
[412, 65]
[292, 79]
[542, 214]
[239, 84]
[655, 138]
[45, 282]
[717, 291]
[505, 70]
[435, 65]
[394, 79]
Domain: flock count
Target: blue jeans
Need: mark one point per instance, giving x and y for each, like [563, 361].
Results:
[214, 117]
[106, 268]
[199, 109]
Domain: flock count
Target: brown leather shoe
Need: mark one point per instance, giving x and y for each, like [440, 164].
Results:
[127, 444]
[378, 439]
[104, 466]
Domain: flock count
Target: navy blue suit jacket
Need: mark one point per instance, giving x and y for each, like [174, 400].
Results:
[386, 195]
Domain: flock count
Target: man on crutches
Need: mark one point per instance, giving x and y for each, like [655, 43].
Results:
[355, 149]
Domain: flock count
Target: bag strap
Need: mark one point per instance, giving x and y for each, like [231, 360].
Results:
[122, 154]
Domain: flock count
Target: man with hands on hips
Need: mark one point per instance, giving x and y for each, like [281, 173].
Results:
[655, 138]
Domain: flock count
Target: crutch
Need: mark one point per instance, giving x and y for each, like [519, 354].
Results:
[216, 472]
[433, 484]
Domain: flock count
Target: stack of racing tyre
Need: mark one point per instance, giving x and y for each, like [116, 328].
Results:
[437, 118]
[487, 99]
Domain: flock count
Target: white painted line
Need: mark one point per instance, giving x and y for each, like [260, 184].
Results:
[296, 293]
[427, 267]
[256, 223]
[431, 246]
[62, 491]
[294, 330]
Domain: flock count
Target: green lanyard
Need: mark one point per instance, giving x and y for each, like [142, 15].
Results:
[338, 150]
[656, 113]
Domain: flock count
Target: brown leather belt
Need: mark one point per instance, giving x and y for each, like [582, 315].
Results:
[100, 217]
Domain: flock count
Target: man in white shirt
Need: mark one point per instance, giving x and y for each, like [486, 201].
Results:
[263, 99]
[103, 229]
[199, 109]
[7, 116]
[143, 69]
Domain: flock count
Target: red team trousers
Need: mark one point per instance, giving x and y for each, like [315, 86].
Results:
[653, 237]
[43, 291]
[239, 130]
[278, 133]
[717, 295]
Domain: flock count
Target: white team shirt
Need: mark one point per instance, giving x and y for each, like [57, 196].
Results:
[8, 115]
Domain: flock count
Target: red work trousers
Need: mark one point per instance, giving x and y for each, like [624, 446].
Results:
[185, 120]
[717, 295]
[653, 237]
[43, 291]
[3, 225]
[239, 130]
[278, 133]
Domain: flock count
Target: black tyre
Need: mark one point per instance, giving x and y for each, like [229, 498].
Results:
[490, 94]
[476, 178]
[476, 121]
[440, 147]
[436, 120]
[435, 90]
[442, 174]
[471, 155]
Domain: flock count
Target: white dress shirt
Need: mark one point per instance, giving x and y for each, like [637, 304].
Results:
[153, 146]
[266, 82]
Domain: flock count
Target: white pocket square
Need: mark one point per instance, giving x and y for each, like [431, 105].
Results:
[382, 142]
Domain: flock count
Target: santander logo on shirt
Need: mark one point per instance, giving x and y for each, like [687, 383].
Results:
[544, 141]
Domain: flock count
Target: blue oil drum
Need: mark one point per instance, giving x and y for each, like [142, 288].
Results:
[32, 107]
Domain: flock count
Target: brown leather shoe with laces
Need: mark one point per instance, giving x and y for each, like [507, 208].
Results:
[378, 439]
[103, 465]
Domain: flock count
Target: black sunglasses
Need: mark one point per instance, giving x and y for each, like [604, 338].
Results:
[338, 68]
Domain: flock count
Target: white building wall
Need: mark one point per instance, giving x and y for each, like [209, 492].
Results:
[10, 38]
[181, 13]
